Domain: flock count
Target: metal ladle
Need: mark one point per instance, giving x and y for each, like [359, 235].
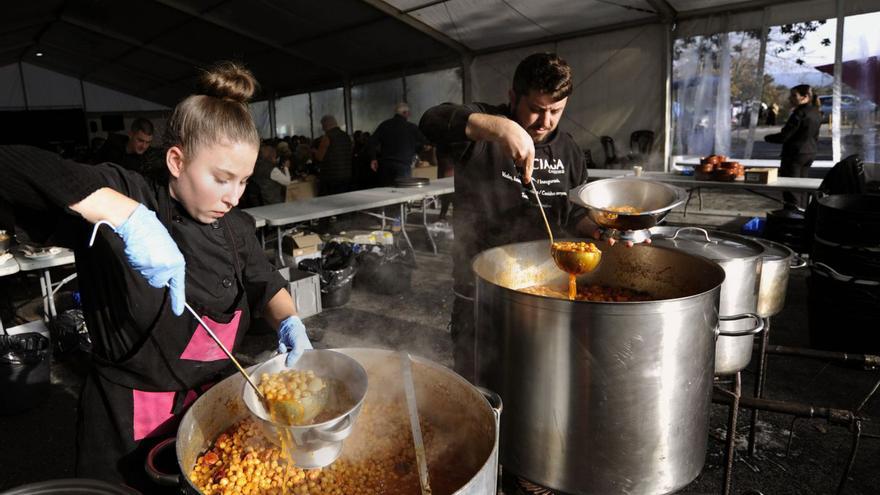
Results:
[572, 262]
[294, 411]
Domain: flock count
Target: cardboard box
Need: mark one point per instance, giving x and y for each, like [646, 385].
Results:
[429, 172]
[304, 189]
[301, 244]
[761, 175]
[305, 289]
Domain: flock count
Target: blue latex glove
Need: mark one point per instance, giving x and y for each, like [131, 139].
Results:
[151, 251]
[292, 339]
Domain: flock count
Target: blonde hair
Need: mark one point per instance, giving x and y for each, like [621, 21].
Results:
[218, 111]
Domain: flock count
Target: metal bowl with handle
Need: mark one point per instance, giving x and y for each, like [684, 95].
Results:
[316, 445]
[653, 200]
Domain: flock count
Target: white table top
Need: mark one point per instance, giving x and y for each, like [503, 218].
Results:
[749, 162]
[9, 267]
[65, 257]
[797, 184]
[280, 214]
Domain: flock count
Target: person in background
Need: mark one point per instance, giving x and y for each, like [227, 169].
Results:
[302, 156]
[131, 151]
[270, 191]
[800, 140]
[772, 114]
[334, 158]
[280, 173]
[493, 206]
[167, 243]
[393, 146]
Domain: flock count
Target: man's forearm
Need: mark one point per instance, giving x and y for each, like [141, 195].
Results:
[485, 127]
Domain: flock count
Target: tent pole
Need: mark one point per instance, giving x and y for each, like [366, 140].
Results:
[346, 98]
[467, 90]
[838, 73]
[667, 96]
[759, 92]
[273, 118]
[23, 86]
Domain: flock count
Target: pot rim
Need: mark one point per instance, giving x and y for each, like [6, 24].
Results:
[547, 302]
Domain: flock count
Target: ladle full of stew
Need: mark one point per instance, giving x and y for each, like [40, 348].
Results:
[574, 258]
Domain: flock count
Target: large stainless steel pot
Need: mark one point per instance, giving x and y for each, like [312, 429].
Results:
[600, 397]
[741, 259]
[465, 420]
[776, 263]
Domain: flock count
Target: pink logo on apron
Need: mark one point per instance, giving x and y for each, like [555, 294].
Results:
[201, 346]
[152, 412]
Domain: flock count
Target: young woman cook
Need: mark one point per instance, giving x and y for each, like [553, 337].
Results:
[150, 358]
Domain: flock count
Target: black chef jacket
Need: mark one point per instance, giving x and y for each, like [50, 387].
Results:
[148, 363]
[492, 206]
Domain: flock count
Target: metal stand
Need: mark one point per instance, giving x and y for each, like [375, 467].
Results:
[759, 384]
[851, 419]
[731, 397]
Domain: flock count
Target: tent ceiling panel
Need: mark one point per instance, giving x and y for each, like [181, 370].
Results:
[143, 23]
[59, 58]
[19, 36]
[363, 49]
[292, 46]
[486, 24]
[19, 14]
[77, 40]
[204, 41]
[160, 66]
[288, 23]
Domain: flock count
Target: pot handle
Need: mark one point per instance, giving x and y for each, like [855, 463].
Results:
[157, 476]
[759, 325]
[698, 229]
[337, 433]
[797, 261]
[494, 401]
[836, 275]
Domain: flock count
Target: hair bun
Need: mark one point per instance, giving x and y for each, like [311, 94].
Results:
[229, 81]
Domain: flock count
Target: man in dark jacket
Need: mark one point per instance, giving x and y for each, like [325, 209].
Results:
[334, 158]
[799, 138]
[133, 151]
[397, 141]
[493, 207]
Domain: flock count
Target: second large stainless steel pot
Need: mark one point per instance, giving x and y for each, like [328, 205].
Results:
[741, 259]
[600, 397]
[776, 263]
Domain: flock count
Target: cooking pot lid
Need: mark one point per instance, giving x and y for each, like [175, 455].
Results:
[712, 244]
[774, 251]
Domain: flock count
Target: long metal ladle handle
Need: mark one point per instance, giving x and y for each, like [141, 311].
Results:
[543, 214]
[410, 393]
[198, 319]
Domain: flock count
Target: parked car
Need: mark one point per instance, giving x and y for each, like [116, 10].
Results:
[850, 107]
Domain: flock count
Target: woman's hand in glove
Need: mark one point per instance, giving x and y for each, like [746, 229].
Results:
[151, 251]
[292, 339]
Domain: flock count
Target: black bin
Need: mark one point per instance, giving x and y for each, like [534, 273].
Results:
[24, 371]
[336, 269]
[844, 283]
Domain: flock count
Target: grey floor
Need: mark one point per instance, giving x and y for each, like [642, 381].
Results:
[805, 457]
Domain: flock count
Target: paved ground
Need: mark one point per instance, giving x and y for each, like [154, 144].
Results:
[804, 457]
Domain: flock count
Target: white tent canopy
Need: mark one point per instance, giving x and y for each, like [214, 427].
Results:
[620, 51]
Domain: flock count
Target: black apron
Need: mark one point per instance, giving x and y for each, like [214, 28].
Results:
[130, 404]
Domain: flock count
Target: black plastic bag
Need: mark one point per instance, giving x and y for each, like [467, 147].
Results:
[385, 269]
[336, 269]
[24, 371]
